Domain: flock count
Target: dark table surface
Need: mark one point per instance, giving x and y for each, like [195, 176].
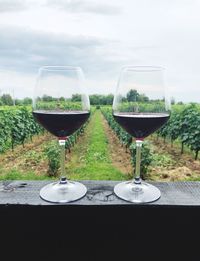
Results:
[100, 193]
[99, 226]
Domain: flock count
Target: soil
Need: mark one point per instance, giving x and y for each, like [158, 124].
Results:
[27, 158]
[120, 157]
[184, 166]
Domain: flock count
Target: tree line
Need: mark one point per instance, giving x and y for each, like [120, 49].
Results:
[6, 99]
[95, 99]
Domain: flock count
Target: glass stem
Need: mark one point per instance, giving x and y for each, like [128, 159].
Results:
[137, 178]
[63, 178]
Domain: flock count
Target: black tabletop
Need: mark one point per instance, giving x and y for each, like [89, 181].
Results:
[100, 193]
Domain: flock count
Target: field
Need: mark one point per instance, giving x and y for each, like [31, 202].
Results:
[96, 153]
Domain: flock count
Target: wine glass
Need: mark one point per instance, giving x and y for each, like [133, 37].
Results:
[61, 105]
[141, 107]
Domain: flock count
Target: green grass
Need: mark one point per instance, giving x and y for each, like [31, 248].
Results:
[91, 159]
[163, 160]
[15, 174]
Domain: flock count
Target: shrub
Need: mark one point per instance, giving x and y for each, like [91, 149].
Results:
[146, 157]
[52, 151]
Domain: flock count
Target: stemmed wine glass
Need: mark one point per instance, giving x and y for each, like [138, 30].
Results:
[61, 105]
[141, 106]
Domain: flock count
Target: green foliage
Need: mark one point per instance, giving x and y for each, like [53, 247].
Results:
[191, 127]
[58, 104]
[184, 124]
[16, 125]
[23, 102]
[5, 123]
[123, 136]
[14, 174]
[99, 99]
[146, 157]
[132, 96]
[53, 154]
[141, 106]
[91, 159]
[27, 101]
[47, 98]
[163, 160]
[6, 99]
[76, 98]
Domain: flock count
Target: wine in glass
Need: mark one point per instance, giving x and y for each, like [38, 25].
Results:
[61, 105]
[141, 107]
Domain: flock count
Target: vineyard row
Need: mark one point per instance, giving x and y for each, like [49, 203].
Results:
[17, 126]
[183, 125]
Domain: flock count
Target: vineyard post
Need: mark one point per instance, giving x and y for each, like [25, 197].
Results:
[182, 147]
[196, 154]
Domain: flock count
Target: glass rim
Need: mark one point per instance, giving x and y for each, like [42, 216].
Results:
[142, 68]
[59, 68]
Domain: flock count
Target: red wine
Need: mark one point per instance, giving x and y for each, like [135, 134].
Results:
[61, 123]
[141, 125]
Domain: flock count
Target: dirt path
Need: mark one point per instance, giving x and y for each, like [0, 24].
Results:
[121, 158]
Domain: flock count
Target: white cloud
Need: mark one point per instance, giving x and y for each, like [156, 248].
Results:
[86, 6]
[88, 34]
[12, 5]
[26, 50]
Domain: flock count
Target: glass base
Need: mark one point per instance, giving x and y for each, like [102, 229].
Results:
[137, 193]
[63, 192]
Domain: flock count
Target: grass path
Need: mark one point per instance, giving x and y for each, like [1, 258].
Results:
[90, 157]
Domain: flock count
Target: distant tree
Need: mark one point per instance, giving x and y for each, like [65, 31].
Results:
[18, 102]
[100, 99]
[7, 99]
[132, 95]
[27, 101]
[76, 98]
[109, 99]
[94, 99]
[47, 98]
[180, 103]
[123, 99]
[62, 99]
[143, 98]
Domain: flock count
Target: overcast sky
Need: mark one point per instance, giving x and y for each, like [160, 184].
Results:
[100, 36]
